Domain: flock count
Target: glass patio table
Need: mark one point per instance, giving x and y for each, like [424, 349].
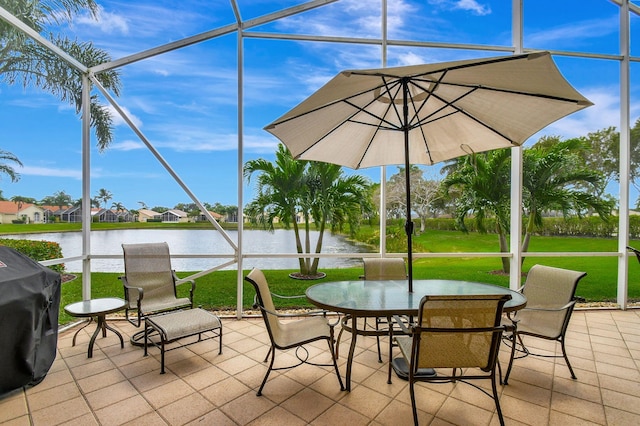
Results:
[366, 299]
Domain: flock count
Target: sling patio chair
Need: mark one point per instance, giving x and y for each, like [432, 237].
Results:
[292, 334]
[550, 294]
[150, 284]
[456, 334]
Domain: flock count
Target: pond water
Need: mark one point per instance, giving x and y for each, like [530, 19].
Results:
[197, 241]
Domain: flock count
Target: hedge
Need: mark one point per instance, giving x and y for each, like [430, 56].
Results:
[37, 250]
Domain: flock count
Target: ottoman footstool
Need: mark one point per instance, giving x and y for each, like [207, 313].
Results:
[176, 325]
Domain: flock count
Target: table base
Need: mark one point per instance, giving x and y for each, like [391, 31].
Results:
[102, 325]
[401, 369]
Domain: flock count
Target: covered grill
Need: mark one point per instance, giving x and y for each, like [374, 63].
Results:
[29, 307]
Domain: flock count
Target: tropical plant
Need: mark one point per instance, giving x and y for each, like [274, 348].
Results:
[6, 168]
[118, 207]
[24, 60]
[295, 192]
[483, 182]
[60, 199]
[20, 201]
[103, 196]
[556, 180]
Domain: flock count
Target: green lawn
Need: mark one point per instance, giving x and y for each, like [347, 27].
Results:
[218, 290]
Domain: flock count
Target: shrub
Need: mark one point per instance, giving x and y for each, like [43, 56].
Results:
[37, 250]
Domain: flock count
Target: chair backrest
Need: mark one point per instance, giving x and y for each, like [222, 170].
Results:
[265, 301]
[392, 268]
[549, 288]
[148, 266]
[458, 331]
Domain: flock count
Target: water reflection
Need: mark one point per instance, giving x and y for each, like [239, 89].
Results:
[196, 241]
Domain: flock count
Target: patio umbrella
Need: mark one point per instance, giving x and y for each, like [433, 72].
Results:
[425, 114]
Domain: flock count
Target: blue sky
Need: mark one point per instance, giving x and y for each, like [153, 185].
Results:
[185, 102]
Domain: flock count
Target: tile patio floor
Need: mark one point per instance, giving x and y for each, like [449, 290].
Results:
[120, 386]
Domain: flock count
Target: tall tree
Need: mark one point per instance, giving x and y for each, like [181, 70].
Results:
[24, 60]
[555, 179]
[314, 192]
[483, 181]
[424, 194]
[8, 169]
[60, 199]
[118, 207]
[20, 201]
[104, 196]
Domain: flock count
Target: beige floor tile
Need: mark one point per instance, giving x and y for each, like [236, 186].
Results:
[307, 404]
[62, 412]
[462, 413]
[13, 405]
[124, 411]
[100, 380]
[277, 417]
[202, 387]
[168, 393]
[621, 417]
[247, 408]
[340, 415]
[186, 409]
[576, 407]
[213, 417]
[53, 396]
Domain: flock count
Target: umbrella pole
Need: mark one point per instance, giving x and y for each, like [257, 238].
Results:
[408, 226]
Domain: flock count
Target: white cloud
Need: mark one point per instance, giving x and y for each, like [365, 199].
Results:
[603, 114]
[579, 31]
[119, 121]
[106, 22]
[51, 172]
[127, 145]
[473, 6]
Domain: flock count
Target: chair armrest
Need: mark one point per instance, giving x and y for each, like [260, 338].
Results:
[297, 296]
[180, 281]
[127, 287]
[401, 324]
[563, 308]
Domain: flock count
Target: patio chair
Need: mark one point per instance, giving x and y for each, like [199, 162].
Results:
[460, 334]
[290, 334]
[150, 284]
[550, 294]
[380, 269]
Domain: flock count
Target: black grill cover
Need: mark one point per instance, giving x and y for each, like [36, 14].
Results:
[29, 307]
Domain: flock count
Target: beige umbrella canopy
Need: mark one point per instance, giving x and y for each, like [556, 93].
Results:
[425, 114]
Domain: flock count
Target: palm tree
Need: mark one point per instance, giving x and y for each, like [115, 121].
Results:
[278, 187]
[7, 169]
[20, 201]
[556, 178]
[24, 60]
[316, 191]
[118, 207]
[104, 196]
[334, 199]
[483, 180]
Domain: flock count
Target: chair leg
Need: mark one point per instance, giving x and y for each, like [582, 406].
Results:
[378, 339]
[268, 353]
[566, 358]
[413, 402]
[337, 345]
[512, 356]
[335, 361]
[495, 396]
[266, 376]
[390, 353]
